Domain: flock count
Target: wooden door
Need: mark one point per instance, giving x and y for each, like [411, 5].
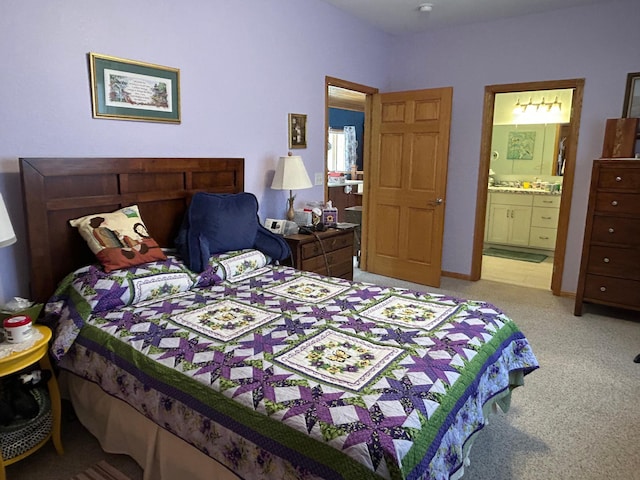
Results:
[408, 176]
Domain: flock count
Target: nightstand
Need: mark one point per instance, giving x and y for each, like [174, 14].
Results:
[327, 253]
[19, 360]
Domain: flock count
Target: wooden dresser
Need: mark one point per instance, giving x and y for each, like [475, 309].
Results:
[610, 268]
[332, 249]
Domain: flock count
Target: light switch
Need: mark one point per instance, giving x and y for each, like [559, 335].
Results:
[319, 178]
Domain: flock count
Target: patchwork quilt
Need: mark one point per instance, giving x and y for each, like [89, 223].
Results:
[280, 373]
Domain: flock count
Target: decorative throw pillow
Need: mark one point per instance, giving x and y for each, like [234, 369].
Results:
[118, 239]
[239, 264]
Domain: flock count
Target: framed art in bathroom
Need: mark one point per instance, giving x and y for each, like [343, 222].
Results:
[124, 89]
[297, 130]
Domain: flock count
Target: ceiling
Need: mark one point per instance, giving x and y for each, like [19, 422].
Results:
[400, 17]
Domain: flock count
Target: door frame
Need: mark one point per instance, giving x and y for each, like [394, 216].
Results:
[577, 84]
[368, 91]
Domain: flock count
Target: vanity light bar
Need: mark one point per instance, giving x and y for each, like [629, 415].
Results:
[542, 107]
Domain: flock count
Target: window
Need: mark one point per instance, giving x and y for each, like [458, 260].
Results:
[336, 151]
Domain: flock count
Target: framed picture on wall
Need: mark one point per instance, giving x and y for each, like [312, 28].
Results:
[520, 145]
[631, 107]
[297, 130]
[124, 89]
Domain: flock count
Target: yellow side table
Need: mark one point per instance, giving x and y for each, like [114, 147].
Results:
[18, 360]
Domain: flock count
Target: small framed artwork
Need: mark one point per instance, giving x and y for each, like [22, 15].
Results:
[520, 145]
[124, 89]
[297, 130]
[631, 107]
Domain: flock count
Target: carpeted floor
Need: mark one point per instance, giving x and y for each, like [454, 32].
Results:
[514, 254]
[576, 418]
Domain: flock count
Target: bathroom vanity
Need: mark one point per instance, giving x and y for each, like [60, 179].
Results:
[522, 217]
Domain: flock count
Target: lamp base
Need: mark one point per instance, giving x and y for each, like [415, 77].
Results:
[291, 214]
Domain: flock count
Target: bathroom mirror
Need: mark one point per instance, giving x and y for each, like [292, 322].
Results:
[526, 149]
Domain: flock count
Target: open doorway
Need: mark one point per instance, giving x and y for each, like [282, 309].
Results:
[347, 113]
[490, 155]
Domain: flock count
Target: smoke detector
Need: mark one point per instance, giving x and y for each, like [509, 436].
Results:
[425, 7]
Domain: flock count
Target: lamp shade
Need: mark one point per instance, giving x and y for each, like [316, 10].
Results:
[7, 235]
[291, 174]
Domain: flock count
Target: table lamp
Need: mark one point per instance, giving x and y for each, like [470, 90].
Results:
[7, 235]
[291, 175]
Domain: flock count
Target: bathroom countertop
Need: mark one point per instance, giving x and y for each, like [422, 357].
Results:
[525, 191]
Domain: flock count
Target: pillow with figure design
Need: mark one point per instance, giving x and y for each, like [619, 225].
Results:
[118, 239]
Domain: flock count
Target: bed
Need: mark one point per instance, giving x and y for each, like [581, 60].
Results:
[249, 369]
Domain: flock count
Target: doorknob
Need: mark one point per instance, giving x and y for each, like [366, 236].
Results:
[437, 201]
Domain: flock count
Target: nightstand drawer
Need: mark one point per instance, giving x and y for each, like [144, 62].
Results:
[308, 252]
[329, 244]
[334, 259]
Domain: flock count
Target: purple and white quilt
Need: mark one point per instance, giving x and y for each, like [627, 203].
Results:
[298, 375]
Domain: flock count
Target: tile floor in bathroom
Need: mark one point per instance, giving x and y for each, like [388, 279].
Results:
[516, 272]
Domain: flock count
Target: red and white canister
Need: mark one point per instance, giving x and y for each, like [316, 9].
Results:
[18, 328]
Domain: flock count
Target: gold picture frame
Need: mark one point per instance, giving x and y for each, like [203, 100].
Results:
[124, 89]
[297, 130]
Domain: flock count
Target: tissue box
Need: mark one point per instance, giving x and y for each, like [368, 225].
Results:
[330, 217]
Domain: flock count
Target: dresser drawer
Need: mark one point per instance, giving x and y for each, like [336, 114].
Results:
[619, 178]
[617, 230]
[543, 238]
[614, 202]
[332, 243]
[614, 262]
[612, 290]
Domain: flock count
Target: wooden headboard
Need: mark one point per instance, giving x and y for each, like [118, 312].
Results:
[56, 190]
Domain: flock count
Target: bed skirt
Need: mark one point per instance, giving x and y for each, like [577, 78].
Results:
[121, 429]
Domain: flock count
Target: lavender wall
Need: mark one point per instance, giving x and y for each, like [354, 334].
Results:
[244, 65]
[600, 43]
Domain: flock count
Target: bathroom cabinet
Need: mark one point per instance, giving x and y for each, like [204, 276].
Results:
[544, 221]
[509, 219]
[522, 219]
